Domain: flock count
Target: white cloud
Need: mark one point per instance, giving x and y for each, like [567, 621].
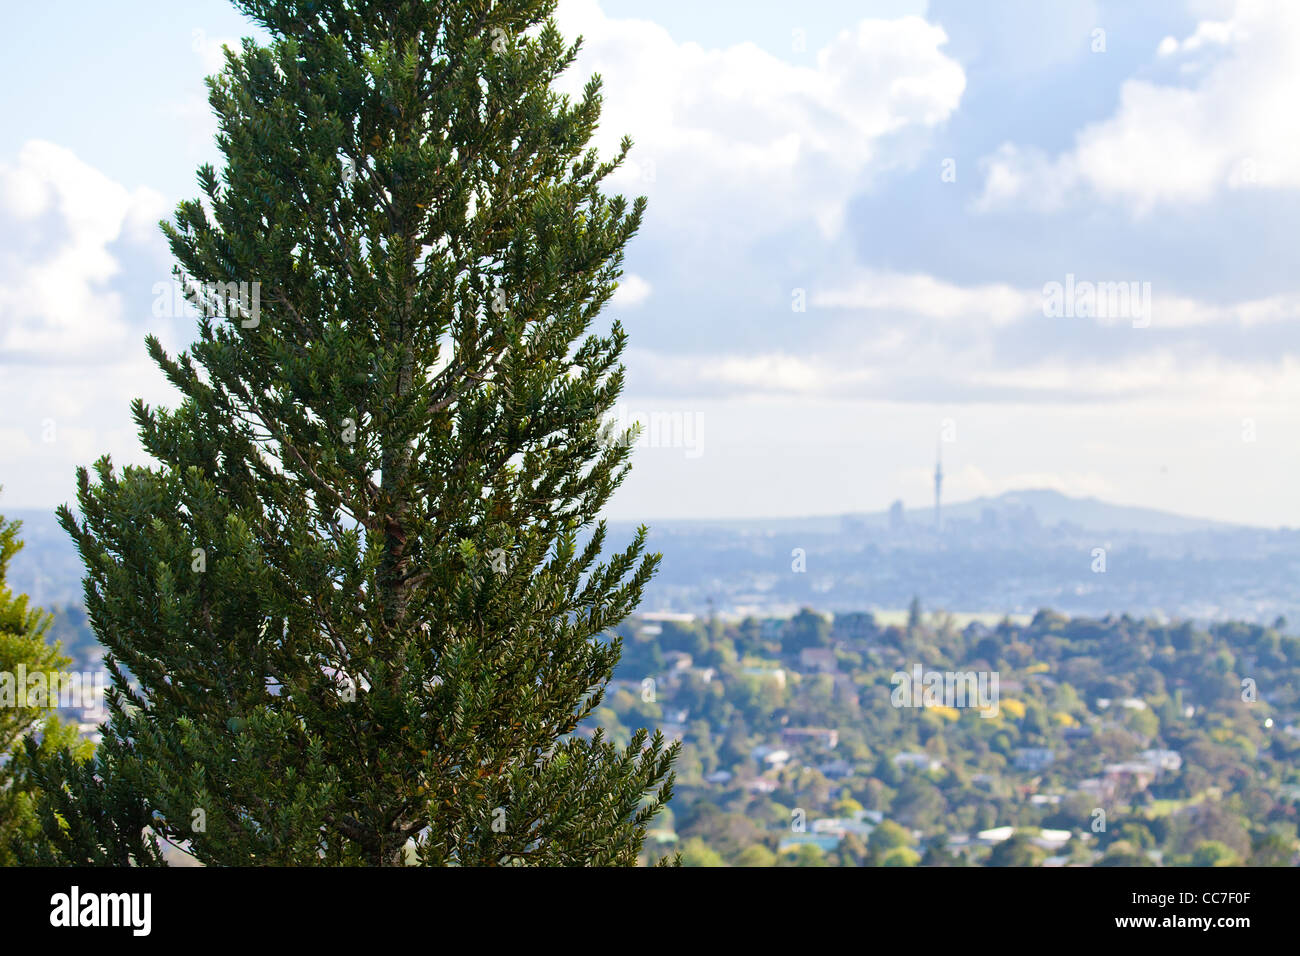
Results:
[1208, 32]
[60, 417]
[928, 335]
[746, 141]
[1236, 127]
[996, 304]
[1183, 312]
[1200, 380]
[1027, 176]
[209, 49]
[61, 218]
[632, 291]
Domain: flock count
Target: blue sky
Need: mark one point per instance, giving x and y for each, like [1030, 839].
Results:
[916, 175]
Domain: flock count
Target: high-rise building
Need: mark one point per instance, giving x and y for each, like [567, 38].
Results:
[897, 521]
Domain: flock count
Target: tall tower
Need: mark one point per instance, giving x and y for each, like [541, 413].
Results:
[938, 487]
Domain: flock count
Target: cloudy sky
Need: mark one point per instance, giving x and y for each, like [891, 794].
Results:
[857, 215]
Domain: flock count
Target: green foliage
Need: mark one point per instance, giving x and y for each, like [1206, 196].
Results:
[362, 601]
[697, 853]
[806, 629]
[888, 836]
[1124, 853]
[1016, 850]
[806, 854]
[901, 856]
[1272, 849]
[756, 855]
[1214, 853]
[25, 722]
[1095, 693]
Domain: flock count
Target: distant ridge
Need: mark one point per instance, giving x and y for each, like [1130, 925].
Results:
[1051, 507]
[1092, 514]
[41, 529]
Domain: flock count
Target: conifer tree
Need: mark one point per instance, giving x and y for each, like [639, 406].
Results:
[358, 611]
[27, 711]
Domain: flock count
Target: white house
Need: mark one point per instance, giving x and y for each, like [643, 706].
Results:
[772, 756]
[995, 835]
[1162, 759]
[918, 761]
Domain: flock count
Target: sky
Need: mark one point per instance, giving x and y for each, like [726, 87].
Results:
[1055, 243]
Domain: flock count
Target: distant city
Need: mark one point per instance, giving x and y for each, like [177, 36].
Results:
[1006, 555]
[1010, 554]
